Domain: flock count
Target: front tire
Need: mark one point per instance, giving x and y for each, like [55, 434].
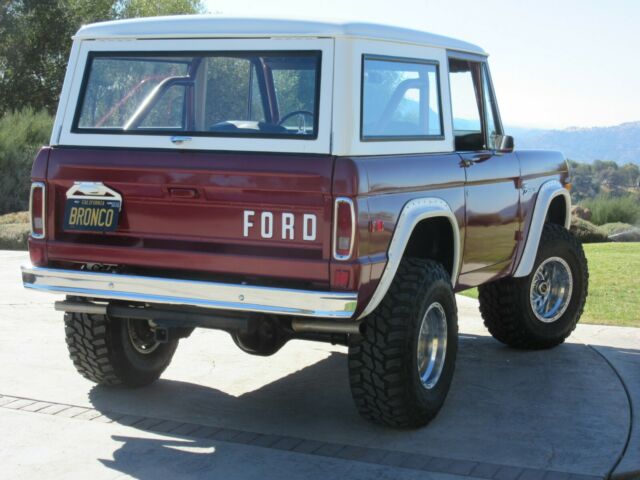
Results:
[401, 367]
[542, 309]
[111, 351]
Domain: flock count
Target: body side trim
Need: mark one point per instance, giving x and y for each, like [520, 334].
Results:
[412, 213]
[548, 191]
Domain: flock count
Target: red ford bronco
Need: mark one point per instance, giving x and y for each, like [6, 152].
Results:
[281, 180]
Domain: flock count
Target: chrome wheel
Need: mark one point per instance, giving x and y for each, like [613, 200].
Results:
[142, 336]
[551, 289]
[432, 345]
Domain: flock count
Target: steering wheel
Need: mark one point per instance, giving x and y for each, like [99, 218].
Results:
[294, 113]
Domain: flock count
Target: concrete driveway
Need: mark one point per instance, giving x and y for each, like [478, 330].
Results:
[565, 413]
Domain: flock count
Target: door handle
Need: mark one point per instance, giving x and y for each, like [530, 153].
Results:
[183, 192]
[179, 140]
[472, 159]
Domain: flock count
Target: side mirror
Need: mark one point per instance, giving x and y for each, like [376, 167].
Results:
[504, 143]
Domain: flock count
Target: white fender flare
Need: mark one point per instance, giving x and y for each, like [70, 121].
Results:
[548, 191]
[412, 213]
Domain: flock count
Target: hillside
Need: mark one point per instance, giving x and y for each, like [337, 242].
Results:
[620, 143]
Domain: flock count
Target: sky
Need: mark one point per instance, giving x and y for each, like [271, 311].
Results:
[554, 63]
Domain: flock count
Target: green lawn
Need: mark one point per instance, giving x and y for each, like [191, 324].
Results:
[614, 284]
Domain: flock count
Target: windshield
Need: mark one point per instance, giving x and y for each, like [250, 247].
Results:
[270, 94]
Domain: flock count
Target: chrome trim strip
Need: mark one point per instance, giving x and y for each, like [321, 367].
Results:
[547, 192]
[335, 228]
[413, 212]
[214, 295]
[42, 235]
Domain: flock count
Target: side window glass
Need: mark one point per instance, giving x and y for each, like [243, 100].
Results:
[400, 98]
[465, 81]
[294, 89]
[489, 108]
[168, 112]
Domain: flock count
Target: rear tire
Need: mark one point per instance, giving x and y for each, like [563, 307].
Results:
[111, 351]
[514, 309]
[393, 381]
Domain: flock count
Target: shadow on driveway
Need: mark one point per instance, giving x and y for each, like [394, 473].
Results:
[562, 409]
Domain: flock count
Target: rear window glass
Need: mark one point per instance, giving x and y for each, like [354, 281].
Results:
[272, 94]
[400, 99]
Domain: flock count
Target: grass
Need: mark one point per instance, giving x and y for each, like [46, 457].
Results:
[14, 231]
[614, 284]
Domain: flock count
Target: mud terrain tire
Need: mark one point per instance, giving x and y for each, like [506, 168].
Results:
[102, 351]
[384, 368]
[507, 308]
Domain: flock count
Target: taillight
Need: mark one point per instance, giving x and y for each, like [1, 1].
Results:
[37, 210]
[343, 228]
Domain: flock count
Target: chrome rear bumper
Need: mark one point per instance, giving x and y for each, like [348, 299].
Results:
[221, 296]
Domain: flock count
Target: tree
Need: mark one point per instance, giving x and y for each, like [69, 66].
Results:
[154, 8]
[36, 39]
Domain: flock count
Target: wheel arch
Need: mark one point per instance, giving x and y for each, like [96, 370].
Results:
[553, 204]
[417, 223]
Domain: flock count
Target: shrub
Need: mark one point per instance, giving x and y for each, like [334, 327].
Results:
[622, 232]
[608, 209]
[616, 227]
[587, 232]
[21, 135]
[14, 231]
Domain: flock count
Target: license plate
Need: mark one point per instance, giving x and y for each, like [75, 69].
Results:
[94, 215]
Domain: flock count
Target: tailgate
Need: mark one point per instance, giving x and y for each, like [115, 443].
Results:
[228, 213]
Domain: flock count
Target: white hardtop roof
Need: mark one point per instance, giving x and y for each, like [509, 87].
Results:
[214, 26]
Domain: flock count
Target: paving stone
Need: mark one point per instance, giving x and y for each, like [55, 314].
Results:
[308, 446]
[394, 459]
[189, 429]
[72, 412]
[19, 403]
[416, 461]
[438, 464]
[506, 472]
[557, 476]
[4, 400]
[225, 434]
[89, 415]
[104, 419]
[130, 420]
[166, 426]
[54, 409]
[531, 474]
[329, 449]
[34, 407]
[265, 440]
[351, 452]
[287, 443]
[148, 423]
[245, 437]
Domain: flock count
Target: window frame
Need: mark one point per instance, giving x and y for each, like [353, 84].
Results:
[484, 69]
[395, 138]
[91, 55]
[61, 134]
[486, 76]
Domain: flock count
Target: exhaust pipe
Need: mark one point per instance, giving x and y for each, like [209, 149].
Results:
[172, 318]
[81, 307]
[325, 326]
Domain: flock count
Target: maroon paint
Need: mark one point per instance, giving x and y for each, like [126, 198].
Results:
[158, 229]
[493, 198]
[184, 210]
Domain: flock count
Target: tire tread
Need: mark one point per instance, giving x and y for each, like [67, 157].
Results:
[378, 371]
